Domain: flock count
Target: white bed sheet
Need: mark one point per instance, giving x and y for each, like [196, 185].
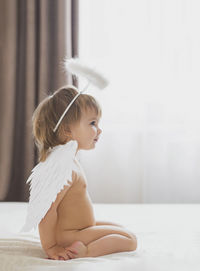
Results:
[168, 239]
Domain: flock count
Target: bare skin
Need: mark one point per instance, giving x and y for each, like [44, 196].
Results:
[77, 232]
[69, 229]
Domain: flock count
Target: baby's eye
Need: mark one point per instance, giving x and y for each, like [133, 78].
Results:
[92, 123]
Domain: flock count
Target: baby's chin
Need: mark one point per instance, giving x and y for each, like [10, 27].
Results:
[88, 147]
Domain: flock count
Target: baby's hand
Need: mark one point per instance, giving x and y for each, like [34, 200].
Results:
[58, 253]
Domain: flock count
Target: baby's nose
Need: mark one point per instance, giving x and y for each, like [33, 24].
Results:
[99, 131]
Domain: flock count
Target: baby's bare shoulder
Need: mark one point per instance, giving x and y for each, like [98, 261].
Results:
[75, 175]
[78, 179]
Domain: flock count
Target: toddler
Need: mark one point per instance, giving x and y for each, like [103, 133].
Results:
[68, 229]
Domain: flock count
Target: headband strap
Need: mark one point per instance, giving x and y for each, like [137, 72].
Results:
[68, 107]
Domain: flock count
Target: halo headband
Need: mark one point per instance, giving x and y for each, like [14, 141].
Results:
[68, 107]
[77, 68]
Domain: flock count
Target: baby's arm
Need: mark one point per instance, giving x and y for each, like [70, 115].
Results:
[47, 230]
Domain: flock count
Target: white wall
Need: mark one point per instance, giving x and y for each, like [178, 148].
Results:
[150, 146]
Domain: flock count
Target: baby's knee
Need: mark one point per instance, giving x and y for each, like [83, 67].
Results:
[133, 242]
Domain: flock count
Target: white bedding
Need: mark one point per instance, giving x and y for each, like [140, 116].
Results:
[168, 237]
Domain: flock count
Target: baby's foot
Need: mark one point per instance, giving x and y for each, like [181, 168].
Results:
[76, 250]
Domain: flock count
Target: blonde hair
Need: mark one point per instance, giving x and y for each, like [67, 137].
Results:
[48, 112]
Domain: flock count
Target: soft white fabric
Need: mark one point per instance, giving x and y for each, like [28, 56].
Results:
[168, 239]
[47, 179]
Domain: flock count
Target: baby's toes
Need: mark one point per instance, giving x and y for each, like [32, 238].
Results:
[64, 257]
[78, 249]
[71, 255]
[72, 250]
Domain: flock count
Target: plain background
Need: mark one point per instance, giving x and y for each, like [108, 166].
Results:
[149, 151]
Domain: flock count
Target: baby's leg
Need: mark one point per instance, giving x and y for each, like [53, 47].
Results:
[102, 223]
[101, 240]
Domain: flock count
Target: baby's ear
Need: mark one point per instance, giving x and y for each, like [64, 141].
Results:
[66, 129]
[67, 132]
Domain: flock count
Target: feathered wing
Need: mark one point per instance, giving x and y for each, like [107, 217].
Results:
[47, 179]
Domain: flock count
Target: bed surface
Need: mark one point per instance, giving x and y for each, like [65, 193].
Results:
[168, 239]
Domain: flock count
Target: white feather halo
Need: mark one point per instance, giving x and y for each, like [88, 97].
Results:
[78, 68]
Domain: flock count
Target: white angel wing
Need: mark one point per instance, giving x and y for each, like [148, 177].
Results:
[47, 180]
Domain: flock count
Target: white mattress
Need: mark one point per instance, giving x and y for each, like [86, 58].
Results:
[168, 236]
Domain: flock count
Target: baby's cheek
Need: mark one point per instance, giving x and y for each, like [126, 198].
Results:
[94, 129]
